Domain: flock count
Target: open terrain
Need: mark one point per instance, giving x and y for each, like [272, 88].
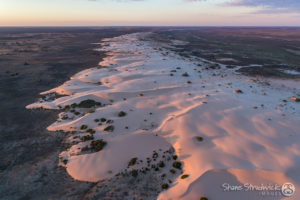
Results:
[148, 113]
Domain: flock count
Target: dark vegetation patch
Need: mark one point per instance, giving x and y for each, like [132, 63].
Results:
[239, 47]
[98, 145]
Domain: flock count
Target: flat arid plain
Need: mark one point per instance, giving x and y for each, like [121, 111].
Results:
[150, 113]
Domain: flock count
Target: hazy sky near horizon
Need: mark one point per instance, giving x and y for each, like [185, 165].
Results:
[150, 12]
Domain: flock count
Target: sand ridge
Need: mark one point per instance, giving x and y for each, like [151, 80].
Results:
[170, 101]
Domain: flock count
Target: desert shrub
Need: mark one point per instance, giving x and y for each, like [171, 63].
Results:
[132, 161]
[74, 105]
[161, 164]
[103, 119]
[177, 165]
[165, 186]
[185, 74]
[122, 114]
[109, 121]
[154, 155]
[175, 157]
[91, 131]
[173, 171]
[184, 176]
[96, 120]
[98, 145]
[65, 117]
[199, 139]
[87, 138]
[238, 91]
[91, 111]
[86, 148]
[134, 173]
[88, 104]
[109, 129]
[83, 126]
[203, 198]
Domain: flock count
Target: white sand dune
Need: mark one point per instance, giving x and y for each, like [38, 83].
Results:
[251, 137]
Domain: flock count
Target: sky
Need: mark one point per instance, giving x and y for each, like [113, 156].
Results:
[149, 12]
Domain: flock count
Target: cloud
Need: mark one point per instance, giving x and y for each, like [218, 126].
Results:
[269, 6]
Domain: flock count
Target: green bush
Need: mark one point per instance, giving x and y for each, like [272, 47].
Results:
[203, 198]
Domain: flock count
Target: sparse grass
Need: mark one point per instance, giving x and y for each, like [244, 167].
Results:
[132, 161]
[98, 145]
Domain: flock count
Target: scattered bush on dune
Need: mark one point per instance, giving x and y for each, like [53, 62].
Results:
[98, 145]
[88, 104]
[122, 114]
[83, 126]
[132, 161]
[87, 138]
[91, 131]
[165, 186]
[161, 164]
[238, 91]
[177, 165]
[184, 176]
[109, 129]
[175, 157]
[185, 74]
[199, 139]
